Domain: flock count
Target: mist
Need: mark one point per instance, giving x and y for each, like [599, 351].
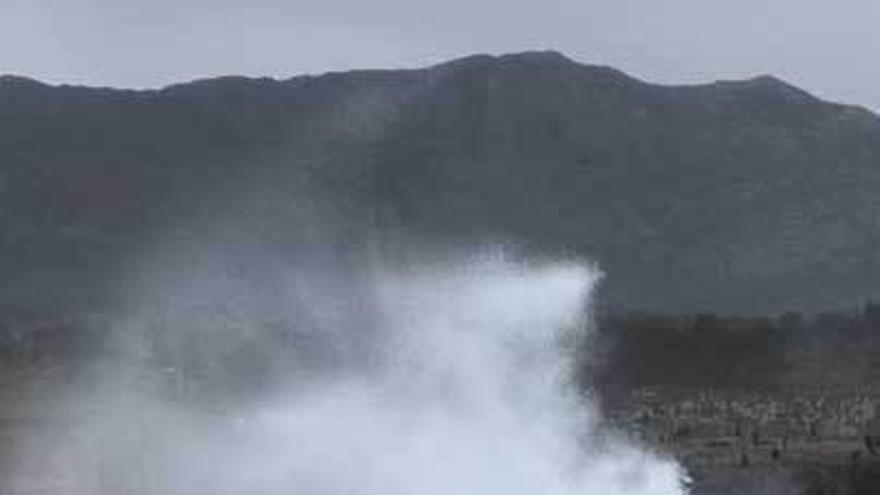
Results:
[441, 376]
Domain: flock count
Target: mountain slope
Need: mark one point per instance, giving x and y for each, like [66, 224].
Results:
[733, 196]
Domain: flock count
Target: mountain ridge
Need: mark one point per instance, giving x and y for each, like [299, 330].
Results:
[541, 57]
[741, 196]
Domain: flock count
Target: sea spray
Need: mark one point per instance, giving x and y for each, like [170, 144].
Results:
[467, 391]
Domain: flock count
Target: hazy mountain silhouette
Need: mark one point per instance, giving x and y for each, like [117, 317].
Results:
[732, 196]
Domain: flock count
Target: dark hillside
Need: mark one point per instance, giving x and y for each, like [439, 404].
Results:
[739, 196]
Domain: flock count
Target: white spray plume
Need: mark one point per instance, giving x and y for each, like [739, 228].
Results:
[468, 393]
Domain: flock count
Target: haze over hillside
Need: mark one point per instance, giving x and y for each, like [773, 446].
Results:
[739, 196]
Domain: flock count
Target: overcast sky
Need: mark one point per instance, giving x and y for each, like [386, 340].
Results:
[829, 48]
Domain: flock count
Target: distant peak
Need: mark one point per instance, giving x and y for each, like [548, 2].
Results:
[763, 80]
[771, 86]
[546, 57]
[538, 56]
[10, 80]
[767, 79]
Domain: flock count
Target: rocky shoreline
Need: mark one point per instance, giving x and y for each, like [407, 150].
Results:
[799, 441]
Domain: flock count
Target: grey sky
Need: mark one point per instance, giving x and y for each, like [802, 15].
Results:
[829, 48]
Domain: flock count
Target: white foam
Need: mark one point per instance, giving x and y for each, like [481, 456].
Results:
[469, 394]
